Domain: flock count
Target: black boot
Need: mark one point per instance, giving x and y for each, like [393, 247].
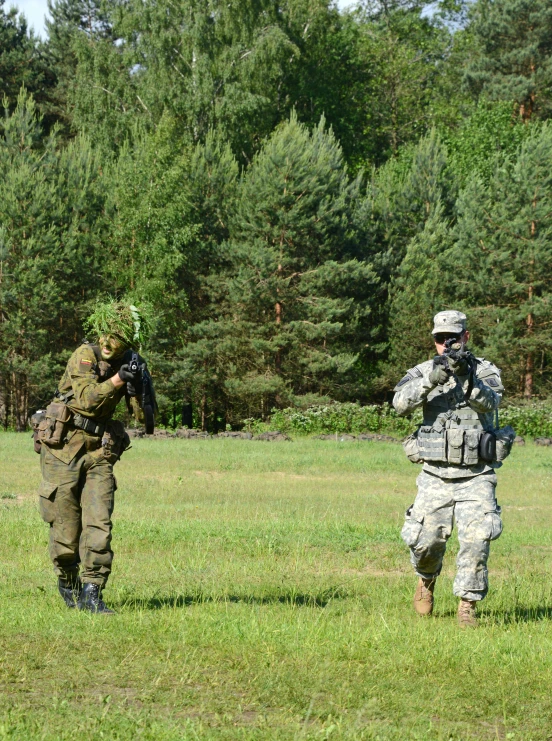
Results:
[91, 599]
[70, 590]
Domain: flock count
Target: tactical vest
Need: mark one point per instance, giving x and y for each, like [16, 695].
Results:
[451, 430]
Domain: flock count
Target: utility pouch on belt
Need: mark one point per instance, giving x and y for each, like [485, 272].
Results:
[52, 429]
[432, 444]
[411, 448]
[38, 417]
[487, 446]
[505, 437]
[115, 441]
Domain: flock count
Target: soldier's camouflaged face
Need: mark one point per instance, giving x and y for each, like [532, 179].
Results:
[111, 347]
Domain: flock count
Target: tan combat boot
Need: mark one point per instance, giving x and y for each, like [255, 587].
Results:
[423, 596]
[466, 614]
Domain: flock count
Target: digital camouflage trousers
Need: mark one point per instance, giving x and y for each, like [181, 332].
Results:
[429, 522]
[76, 499]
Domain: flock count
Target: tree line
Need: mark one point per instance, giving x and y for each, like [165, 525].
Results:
[292, 189]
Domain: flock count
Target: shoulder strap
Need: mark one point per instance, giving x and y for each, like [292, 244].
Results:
[97, 352]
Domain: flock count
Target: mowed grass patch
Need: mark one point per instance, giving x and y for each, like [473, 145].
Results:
[263, 592]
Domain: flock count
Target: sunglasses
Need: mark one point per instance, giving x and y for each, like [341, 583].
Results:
[440, 339]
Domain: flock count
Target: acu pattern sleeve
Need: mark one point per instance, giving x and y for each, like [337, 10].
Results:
[487, 389]
[92, 398]
[412, 390]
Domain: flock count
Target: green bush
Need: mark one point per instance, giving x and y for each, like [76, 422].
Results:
[340, 418]
[530, 420]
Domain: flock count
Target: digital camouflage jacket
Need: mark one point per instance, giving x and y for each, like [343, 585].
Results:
[415, 390]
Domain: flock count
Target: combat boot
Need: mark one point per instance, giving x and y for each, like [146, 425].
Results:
[423, 596]
[91, 600]
[466, 614]
[70, 590]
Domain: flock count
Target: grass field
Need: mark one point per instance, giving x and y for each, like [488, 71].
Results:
[263, 592]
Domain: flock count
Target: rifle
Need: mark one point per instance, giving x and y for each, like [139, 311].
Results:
[456, 350]
[144, 387]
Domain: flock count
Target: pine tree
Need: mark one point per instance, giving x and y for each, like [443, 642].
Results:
[502, 259]
[292, 293]
[421, 288]
[404, 196]
[67, 20]
[51, 203]
[404, 49]
[21, 63]
[514, 59]
[169, 215]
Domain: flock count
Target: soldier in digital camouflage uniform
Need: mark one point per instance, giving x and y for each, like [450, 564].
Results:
[454, 482]
[78, 486]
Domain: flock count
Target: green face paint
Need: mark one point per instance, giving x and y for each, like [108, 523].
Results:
[111, 347]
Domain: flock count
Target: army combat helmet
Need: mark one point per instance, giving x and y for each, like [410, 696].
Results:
[120, 319]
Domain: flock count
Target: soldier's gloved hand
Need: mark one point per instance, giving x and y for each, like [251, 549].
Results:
[125, 374]
[438, 376]
[134, 388]
[459, 367]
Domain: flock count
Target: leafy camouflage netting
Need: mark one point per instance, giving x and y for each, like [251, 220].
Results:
[120, 319]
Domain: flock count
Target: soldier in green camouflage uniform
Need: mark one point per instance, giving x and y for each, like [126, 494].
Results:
[455, 482]
[78, 486]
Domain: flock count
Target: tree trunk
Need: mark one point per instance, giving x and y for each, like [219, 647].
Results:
[278, 307]
[204, 412]
[4, 403]
[21, 407]
[530, 321]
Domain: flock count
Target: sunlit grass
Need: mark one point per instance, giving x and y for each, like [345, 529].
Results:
[263, 592]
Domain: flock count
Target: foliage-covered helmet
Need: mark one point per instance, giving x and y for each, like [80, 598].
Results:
[121, 319]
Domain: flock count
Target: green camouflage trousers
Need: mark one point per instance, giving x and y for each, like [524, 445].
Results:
[429, 522]
[76, 499]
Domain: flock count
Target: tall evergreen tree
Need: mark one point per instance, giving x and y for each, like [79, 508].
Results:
[405, 50]
[422, 287]
[514, 59]
[293, 296]
[51, 203]
[502, 259]
[67, 20]
[21, 62]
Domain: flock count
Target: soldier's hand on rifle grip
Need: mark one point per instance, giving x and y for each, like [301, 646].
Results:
[439, 375]
[460, 366]
[126, 374]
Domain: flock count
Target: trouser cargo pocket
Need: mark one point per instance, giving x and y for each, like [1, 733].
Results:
[47, 501]
[493, 524]
[412, 528]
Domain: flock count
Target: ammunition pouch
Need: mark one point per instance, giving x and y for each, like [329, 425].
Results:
[459, 446]
[35, 421]
[115, 441]
[432, 444]
[52, 428]
[456, 445]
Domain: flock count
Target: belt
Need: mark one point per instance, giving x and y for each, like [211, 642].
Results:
[88, 425]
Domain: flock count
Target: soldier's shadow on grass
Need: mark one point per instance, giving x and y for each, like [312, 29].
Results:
[508, 617]
[321, 599]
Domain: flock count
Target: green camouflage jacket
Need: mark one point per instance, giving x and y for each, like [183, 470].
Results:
[95, 396]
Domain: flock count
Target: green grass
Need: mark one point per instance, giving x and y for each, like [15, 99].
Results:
[263, 592]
